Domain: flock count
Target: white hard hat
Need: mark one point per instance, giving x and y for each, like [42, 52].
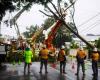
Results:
[44, 46]
[81, 48]
[62, 47]
[95, 49]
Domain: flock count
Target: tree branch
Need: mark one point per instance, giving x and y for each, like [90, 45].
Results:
[45, 14]
[72, 14]
[59, 8]
[63, 22]
[52, 12]
[70, 6]
[55, 8]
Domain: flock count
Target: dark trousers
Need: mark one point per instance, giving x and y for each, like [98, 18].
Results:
[62, 66]
[25, 65]
[43, 62]
[95, 68]
[82, 65]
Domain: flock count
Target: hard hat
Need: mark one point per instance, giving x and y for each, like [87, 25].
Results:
[95, 49]
[44, 46]
[27, 49]
[62, 47]
[81, 48]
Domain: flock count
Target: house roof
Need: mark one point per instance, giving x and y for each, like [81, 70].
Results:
[88, 38]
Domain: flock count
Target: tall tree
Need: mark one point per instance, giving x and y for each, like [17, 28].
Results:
[9, 5]
[60, 16]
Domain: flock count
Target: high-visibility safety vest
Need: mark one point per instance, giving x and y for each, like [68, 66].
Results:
[61, 55]
[28, 56]
[81, 54]
[44, 54]
[95, 56]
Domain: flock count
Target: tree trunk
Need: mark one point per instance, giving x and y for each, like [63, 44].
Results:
[90, 45]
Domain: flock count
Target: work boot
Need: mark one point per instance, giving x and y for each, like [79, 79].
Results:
[29, 70]
[46, 71]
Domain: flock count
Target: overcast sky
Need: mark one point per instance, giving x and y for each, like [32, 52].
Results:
[84, 10]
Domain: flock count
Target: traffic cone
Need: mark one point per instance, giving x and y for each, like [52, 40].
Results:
[53, 65]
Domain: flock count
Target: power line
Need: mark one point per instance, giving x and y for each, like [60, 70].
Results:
[92, 27]
[89, 26]
[89, 20]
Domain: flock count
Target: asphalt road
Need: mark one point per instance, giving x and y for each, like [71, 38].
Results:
[16, 72]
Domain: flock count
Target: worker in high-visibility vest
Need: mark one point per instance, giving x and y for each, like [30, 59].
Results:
[28, 55]
[95, 58]
[43, 55]
[80, 56]
[62, 59]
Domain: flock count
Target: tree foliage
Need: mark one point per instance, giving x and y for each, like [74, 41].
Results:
[97, 42]
[4, 6]
[12, 5]
[62, 36]
[48, 22]
[74, 45]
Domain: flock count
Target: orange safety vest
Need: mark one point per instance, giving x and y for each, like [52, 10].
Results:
[61, 55]
[95, 56]
[44, 53]
[81, 54]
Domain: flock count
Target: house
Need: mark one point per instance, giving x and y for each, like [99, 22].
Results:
[89, 37]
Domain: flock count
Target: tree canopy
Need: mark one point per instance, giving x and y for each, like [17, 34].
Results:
[12, 5]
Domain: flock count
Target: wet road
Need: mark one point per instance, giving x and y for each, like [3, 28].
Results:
[16, 72]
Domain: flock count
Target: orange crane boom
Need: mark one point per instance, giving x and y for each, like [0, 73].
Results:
[52, 34]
